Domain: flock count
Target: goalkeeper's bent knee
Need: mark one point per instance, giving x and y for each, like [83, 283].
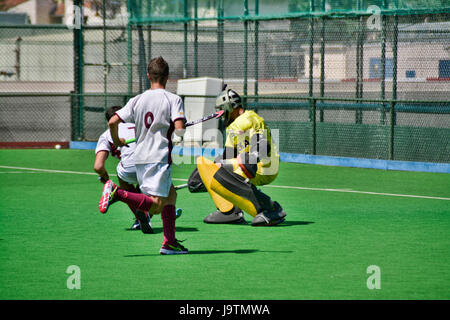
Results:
[227, 189]
[206, 170]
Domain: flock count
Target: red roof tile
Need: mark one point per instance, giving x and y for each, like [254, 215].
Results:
[8, 4]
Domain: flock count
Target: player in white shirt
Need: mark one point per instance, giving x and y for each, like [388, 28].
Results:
[126, 170]
[157, 114]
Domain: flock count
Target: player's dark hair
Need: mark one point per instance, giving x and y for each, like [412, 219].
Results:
[158, 70]
[111, 111]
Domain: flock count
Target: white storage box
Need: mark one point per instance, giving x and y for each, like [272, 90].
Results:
[202, 134]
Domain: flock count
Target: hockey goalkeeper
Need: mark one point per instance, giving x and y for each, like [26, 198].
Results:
[250, 159]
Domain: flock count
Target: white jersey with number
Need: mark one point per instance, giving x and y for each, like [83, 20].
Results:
[125, 154]
[154, 113]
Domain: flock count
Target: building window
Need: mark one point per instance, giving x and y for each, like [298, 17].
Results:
[444, 68]
[375, 68]
[410, 73]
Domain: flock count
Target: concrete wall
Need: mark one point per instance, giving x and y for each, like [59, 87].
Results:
[340, 63]
[37, 10]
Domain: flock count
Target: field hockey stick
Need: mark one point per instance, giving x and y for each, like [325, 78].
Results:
[181, 186]
[215, 115]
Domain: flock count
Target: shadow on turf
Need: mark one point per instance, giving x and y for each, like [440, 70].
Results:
[159, 230]
[223, 251]
[199, 252]
[236, 251]
[287, 223]
[294, 223]
[188, 229]
[239, 251]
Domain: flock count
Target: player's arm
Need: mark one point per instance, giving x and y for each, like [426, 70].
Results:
[178, 117]
[259, 151]
[114, 129]
[180, 127]
[99, 166]
[235, 134]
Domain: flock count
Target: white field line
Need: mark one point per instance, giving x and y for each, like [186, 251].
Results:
[269, 186]
[22, 172]
[48, 170]
[61, 171]
[360, 192]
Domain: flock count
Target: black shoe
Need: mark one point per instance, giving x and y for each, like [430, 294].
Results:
[144, 221]
[136, 225]
[233, 216]
[269, 218]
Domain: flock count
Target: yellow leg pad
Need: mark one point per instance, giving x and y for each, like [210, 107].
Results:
[207, 169]
[235, 199]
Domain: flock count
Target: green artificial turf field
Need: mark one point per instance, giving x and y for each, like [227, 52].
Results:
[50, 220]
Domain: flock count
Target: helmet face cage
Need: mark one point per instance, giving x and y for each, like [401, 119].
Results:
[228, 100]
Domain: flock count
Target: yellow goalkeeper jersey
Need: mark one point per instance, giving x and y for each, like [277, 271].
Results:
[239, 134]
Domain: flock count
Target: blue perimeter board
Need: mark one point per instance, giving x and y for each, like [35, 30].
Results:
[310, 159]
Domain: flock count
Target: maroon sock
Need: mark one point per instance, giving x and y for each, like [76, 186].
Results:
[133, 209]
[168, 217]
[134, 190]
[138, 201]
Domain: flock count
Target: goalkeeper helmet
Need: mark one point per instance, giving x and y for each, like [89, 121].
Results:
[228, 100]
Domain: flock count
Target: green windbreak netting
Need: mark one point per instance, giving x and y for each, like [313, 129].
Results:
[365, 79]
[358, 56]
[162, 10]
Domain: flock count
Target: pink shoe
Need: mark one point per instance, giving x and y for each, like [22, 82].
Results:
[109, 191]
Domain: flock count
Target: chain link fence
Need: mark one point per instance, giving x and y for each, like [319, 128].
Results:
[341, 80]
[35, 60]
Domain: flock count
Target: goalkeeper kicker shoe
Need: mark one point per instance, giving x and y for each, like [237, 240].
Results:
[173, 248]
[144, 221]
[107, 198]
[269, 218]
[234, 216]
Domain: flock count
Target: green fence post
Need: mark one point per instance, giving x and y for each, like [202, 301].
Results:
[105, 58]
[130, 50]
[144, 83]
[395, 61]
[17, 55]
[314, 125]
[311, 54]
[256, 52]
[391, 132]
[245, 51]
[394, 87]
[359, 62]
[149, 30]
[73, 116]
[383, 64]
[185, 50]
[196, 38]
[220, 36]
[78, 72]
[322, 59]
